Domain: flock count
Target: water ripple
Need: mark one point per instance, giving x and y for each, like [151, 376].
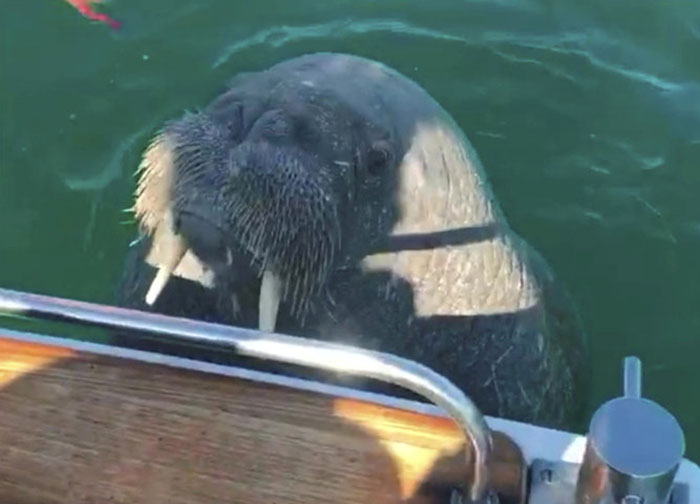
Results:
[280, 35]
[112, 169]
[634, 75]
[567, 43]
[546, 67]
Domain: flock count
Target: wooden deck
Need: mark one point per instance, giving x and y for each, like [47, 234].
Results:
[79, 427]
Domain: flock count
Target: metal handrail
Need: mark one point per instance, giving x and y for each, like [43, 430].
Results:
[282, 348]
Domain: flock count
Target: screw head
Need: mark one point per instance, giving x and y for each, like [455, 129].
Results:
[547, 476]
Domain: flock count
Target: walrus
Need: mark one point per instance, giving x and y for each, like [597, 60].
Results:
[332, 197]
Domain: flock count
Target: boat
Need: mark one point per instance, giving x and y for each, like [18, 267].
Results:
[85, 422]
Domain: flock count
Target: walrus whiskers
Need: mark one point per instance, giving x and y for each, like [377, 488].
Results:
[302, 254]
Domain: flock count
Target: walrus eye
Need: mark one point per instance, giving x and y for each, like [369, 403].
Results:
[379, 157]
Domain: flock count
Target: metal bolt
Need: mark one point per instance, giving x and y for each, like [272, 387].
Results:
[547, 476]
[457, 497]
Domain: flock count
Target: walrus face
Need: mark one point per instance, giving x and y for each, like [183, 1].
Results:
[259, 190]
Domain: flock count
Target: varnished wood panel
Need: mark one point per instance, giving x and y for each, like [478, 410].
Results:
[78, 427]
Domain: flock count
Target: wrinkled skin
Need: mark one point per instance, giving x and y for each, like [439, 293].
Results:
[361, 193]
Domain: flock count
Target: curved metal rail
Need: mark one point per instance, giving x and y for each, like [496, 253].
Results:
[282, 348]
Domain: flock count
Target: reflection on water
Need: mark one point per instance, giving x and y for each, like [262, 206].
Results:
[586, 116]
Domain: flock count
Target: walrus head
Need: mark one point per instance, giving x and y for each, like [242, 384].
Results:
[333, 173]
[259, 186]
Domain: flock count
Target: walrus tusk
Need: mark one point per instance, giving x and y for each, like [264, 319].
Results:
[175, 255]
[270, 295]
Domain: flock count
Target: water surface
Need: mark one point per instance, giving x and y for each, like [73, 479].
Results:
[585, 114]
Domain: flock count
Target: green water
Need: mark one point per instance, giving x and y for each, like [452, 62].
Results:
[585, 114]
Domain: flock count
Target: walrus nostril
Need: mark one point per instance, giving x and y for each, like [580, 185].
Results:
[272, 125]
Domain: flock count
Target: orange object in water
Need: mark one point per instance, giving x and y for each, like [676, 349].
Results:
[86, 9]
